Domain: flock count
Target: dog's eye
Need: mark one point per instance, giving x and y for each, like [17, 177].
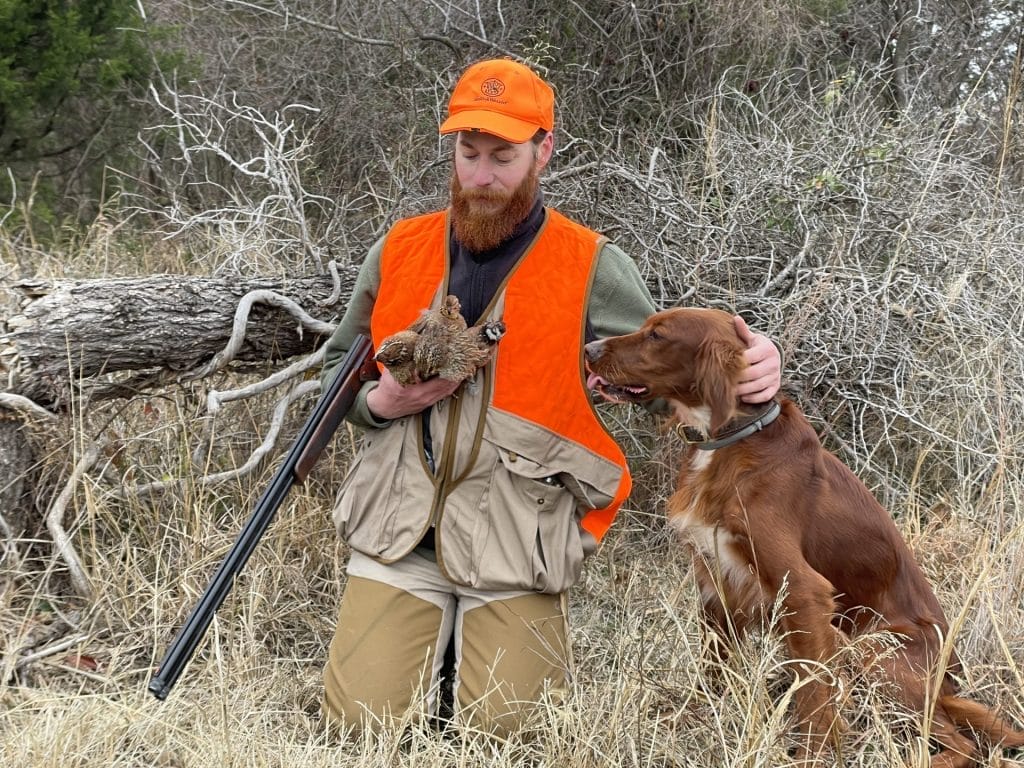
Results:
[653, 335]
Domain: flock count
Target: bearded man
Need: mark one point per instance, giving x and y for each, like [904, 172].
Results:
[469, 515]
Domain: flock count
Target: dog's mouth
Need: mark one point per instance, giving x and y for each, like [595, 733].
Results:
[617, 393]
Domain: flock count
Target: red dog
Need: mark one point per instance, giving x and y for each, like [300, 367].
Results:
[767, 511]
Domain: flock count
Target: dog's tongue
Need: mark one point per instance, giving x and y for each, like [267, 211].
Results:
[594, 381]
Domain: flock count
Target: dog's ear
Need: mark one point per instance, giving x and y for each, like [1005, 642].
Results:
[718, 365]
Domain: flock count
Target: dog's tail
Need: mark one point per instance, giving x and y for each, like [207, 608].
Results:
[982, 720]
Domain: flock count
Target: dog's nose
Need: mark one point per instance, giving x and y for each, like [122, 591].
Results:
[593, 350]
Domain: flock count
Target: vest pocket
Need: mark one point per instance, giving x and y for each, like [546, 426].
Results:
[534, 532]
[369, 502]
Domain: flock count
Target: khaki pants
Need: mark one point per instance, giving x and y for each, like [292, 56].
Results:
[394, 625]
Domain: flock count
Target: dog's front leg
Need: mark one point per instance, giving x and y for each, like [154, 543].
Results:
[720, 631]
[811, 641]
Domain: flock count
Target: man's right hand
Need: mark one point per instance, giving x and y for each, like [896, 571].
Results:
[390, 400]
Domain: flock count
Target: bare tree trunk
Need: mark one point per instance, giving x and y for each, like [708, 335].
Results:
[897, 50]
[67, 333]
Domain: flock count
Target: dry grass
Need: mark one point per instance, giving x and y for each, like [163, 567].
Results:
[644, 694]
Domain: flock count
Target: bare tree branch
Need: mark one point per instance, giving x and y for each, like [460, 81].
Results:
[55, 520]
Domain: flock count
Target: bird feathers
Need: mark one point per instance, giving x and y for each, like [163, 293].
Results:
[439, 343]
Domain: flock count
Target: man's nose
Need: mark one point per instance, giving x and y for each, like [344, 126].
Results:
[483, 174]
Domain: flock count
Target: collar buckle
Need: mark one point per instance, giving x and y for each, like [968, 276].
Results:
[689, 435]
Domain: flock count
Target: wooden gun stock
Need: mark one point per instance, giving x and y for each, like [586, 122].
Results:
[357, 367]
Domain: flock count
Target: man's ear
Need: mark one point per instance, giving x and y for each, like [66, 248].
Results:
[718, 366]
[545, 149]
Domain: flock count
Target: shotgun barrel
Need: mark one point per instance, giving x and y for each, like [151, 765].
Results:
[355, 368]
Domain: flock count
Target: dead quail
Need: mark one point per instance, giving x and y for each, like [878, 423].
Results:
[400, 352]
[438, 343]
[470, 349]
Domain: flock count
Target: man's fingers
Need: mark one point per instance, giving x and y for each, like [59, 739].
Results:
[757, 393]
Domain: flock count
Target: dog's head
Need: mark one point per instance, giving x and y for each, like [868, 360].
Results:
[690, 357]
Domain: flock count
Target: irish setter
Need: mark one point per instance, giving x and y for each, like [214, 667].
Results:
[767, 510]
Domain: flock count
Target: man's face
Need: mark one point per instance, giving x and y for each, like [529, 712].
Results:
[486, 162]
[493, 186]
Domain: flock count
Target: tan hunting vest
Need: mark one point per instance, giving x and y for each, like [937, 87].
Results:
[527, 479]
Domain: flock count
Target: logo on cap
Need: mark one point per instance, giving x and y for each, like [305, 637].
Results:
[492, 87]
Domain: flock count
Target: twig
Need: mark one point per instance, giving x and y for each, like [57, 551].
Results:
[234, 344]
[23, 404]
[793, 264]
[288, 15]
[330, 301]
[276, 422]
[50, 650]
[216, 399]
[55, 520]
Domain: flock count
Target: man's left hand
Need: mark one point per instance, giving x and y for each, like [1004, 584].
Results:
[764, 376]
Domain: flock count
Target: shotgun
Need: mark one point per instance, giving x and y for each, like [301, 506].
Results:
[356, 367]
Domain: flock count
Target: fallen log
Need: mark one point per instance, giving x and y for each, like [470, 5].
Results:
[68, 332]
[62, 341]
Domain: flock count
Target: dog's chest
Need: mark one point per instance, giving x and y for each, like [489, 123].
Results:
[721, 551]
[701, 526]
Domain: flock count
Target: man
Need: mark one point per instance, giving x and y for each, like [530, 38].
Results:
[469, 511]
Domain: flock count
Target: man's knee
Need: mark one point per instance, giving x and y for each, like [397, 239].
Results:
[514, 663]
[349, 713]
[501, 714]
[382, 657]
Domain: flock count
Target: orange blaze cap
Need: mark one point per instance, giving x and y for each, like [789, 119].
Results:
[501, 97]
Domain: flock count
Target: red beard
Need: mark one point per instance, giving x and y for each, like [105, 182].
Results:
[481, 228]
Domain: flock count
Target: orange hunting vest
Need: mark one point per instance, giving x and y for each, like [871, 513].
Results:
[538, 370]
